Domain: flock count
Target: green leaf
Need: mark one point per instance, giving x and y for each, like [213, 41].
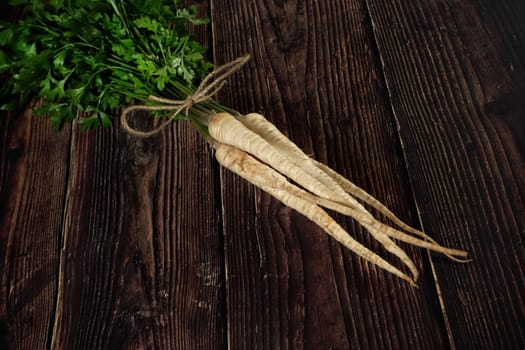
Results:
[6, 36]
[57, 4]
[47, 108]
[111, 101]
[59, 59]
[145, 65]
[162, 77]
[98, 118]
[59, 91]
[76, 94]
[105, 119]
[5, 64]
[125, 48]
[190, 14]
[147, 23]
[10, 106]
[188, 74]
[26, 48]
[60, 115]
[47, 84]
[194, 56]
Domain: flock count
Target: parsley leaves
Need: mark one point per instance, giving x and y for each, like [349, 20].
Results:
[94, 56]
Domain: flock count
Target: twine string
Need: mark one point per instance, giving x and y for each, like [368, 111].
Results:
[208, 87]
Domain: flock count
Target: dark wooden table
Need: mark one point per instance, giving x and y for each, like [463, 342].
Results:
[108, 241]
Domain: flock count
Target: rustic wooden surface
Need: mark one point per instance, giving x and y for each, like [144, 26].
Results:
[112, 242]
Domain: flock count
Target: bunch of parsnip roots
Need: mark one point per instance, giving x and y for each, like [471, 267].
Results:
[255, 149]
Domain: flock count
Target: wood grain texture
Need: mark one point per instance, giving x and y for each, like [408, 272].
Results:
[140, 265]
[455, 77]
[33, 176]
[314, 73]
[113, 242]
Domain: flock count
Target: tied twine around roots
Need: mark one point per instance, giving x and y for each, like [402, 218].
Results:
[209, 86]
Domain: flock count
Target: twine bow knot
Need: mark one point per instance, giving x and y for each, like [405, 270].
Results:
[209, 86]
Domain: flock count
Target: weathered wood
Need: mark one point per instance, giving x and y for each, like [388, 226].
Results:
[141, 262]
[33, 176]
[109, 241]
[316, 75]
[455, 73]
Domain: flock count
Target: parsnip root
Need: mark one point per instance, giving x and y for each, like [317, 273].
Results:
[256, 150]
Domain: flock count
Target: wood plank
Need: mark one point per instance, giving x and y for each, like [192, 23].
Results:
[315, 74]
[33, 177]
[141, 262]
[455, 73]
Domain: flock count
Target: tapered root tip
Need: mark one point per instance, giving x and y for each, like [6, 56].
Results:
[410, 280]
[413, 281]
[459, 256]
[462, 260]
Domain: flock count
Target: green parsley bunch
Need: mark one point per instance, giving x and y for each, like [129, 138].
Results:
[95, 56]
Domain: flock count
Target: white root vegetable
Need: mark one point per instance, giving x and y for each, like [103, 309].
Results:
[256, 150]
[225, 128]
[273, 183]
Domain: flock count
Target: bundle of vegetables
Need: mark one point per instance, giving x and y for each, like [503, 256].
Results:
[85, 59]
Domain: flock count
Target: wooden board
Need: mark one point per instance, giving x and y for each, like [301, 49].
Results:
[456, 86]
[132, 262]
[33, 177]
